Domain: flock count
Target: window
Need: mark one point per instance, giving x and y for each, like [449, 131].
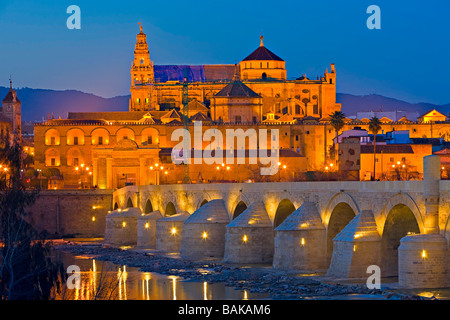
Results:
[316, 109]
[125, 137]
[138, 100]
[254, 120]
[149, 140]
[297, 109]
[142, 61]
[75, 162]
[391, 159]
[237, 119]
[146, 100]
[52, 140]
[296, 138]
[403, 159]
[100, 140]
[75, 141]
[264, 76]
[53, 162]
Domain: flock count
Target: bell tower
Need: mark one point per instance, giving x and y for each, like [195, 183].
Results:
[11, 109]
[142, 76]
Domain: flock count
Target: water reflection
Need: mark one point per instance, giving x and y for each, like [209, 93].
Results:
[106, 281]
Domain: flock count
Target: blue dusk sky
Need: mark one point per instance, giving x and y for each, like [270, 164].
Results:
[408, 58]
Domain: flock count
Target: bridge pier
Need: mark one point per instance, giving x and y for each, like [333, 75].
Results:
[356, 247]
[169, 232]
[300, 241]
[121, 227]
[249, 237]
[423, 258]
[146, 229]
[204, 232]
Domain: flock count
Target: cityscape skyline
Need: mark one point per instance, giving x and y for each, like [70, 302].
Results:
[403, 60]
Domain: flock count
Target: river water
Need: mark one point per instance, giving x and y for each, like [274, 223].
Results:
[105, 280]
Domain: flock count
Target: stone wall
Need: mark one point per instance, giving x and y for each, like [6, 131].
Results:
[79, 213]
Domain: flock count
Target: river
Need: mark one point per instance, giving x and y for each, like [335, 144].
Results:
[105, 280]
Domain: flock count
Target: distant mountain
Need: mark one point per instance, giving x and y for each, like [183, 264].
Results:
[374, 102]
[37, 103]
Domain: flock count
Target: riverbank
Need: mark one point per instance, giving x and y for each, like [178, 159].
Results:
[258, 279]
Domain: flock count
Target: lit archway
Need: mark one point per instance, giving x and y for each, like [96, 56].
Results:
[203, 203]
[340, 217]
[399, 222]
[148, 207]
[170, 210]
[129, 203]
[285, 208]
[240, 207]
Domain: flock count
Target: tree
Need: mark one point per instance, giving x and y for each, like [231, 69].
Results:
[374, 128]
[337, 122]
[26, 271]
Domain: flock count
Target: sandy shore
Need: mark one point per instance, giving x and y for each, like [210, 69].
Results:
[261, 279]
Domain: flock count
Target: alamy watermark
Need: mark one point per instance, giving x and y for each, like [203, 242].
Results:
[374, 20]
[374, 280]
[74, 20]
[234, 148]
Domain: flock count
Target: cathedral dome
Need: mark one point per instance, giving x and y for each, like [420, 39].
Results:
[262, 54]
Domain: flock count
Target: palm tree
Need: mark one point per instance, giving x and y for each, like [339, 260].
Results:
[337, 122]
[374, 128]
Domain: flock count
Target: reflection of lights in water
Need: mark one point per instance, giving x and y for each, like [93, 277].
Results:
[122, 278]
[245, 295]
[174, 286]
[145, 286]
[205, 290]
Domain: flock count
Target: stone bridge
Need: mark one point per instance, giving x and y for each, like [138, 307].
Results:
[338, 227]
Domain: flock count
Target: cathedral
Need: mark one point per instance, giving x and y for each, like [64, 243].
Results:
[112, 149]
[247, 92]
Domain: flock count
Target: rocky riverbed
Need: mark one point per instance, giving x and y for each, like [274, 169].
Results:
[260, 279]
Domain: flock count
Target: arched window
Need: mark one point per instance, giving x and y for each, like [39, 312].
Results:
[74, 157]
[52, 137]
[124, 133]
[264, 76]
[75, 137]
[100, 136]
[149, 136]
[52, 158]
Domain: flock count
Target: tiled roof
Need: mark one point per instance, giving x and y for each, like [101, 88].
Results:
[11, 96]
[109, 116]
[262, 53]
[387, 148]
[237, 89]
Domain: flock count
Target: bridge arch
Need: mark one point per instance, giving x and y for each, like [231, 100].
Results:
[341, 209]
[239, 208]
[129, 203]
[401, 216]
[148, 206]
[399, 223]
[170, 209]
[284, 209]
[341, 197]
[405, 199]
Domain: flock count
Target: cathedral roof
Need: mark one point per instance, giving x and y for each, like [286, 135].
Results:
[199, 116]
[237, 89]
[262, 53]
[11, 96]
